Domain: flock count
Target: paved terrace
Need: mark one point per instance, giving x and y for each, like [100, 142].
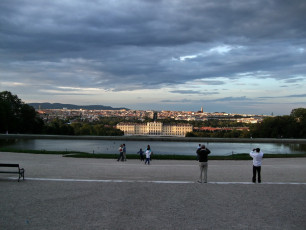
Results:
[70, 193]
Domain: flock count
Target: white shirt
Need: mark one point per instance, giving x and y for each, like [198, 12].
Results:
[148, 153]
[257, 157]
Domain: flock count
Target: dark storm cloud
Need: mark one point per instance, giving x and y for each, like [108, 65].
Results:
[128, 45]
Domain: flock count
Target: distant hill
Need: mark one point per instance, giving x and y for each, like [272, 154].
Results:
[70, 106]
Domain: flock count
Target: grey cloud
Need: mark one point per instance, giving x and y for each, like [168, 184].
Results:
[193, 92]
[130, 45]
[178, 101]
[243, 98]
[298, 95]
[266, 97]
[286, 96]
[294, 80]
[211, 82]
[225, 99]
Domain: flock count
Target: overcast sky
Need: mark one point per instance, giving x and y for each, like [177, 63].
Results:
[227, 56]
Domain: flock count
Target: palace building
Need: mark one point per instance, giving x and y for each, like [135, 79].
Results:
[154, 129]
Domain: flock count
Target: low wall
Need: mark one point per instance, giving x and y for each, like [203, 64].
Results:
[154, 138]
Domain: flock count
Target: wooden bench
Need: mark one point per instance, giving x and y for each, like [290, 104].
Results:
[20, 171]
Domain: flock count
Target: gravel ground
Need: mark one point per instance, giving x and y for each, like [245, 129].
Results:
[70, 193]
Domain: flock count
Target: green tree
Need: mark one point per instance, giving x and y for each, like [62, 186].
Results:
[77, 128]
[276, 127]
[96, 129]
[300, 117]
[16, 116]
[299, 113]
[58, 127]
[30, 121]
[86, 129]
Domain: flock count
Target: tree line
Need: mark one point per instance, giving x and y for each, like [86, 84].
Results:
[19, 117]
[287, 126]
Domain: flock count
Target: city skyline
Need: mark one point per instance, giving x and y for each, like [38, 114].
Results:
[244, 57]
[73, 107]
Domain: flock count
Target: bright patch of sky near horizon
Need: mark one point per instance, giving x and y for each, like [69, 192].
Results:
[231, 56]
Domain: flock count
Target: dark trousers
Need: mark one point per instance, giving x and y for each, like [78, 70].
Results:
[120, 157]
[256, 170]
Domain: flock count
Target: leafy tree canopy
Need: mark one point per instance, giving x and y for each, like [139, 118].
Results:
[16, 116]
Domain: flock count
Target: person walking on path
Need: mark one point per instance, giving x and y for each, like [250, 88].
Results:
[257, 156]
[148, 155]
[203, 162]
[151, 156]
[140, 152]
[120, 153]
[124, 152]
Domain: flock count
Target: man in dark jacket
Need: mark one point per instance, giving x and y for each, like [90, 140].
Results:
[203, 158]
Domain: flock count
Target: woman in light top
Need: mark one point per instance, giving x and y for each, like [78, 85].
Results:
[148, 155]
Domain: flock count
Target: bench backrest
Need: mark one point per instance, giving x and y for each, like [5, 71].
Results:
[9, 165]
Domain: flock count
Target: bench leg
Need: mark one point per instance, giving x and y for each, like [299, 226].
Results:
[21, 174]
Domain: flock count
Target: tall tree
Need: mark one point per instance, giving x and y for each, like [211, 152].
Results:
[16, 116]
[300, 115]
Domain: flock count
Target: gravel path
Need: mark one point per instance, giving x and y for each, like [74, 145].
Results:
[70, 193]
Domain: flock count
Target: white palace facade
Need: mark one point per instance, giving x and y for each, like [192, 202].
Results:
[154, 129]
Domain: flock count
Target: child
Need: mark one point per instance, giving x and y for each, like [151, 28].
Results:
[140, 152]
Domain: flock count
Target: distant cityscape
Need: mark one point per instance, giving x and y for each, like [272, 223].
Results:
[94, 115]
[150, 128]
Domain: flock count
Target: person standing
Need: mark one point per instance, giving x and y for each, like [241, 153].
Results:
[148, 155]
[257, 156]
[140, 152]
[124, 152]
[151, 156]
[203, 159]
[199, 147]
[120, 153]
